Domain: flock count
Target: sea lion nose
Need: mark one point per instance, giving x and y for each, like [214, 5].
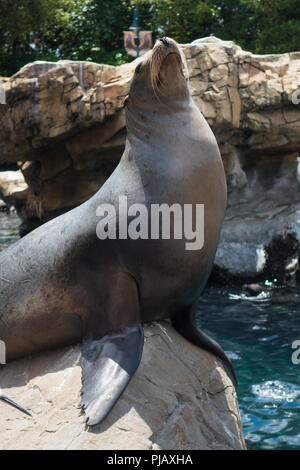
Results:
[165, 41]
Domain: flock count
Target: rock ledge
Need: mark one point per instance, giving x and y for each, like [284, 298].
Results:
[180, 398]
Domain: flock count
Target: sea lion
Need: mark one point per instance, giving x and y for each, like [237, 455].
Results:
[61, 284]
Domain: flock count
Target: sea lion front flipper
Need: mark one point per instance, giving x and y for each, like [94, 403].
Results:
[107, 366]
[110, 359]
[185, 324]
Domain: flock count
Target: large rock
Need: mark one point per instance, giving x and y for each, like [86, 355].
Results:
[13, 189]
[179, 398]
[64, 124]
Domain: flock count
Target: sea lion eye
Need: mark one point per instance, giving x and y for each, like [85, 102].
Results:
[138, 68]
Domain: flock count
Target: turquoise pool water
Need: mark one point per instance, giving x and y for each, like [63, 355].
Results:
[257, 334]
[9, 232]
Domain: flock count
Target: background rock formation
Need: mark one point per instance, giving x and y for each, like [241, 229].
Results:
[64, 125]
[179, 398]
[13, 189]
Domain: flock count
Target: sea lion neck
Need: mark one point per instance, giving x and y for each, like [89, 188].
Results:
[156, 117]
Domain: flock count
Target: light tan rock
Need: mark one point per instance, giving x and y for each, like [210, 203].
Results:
[13, 187]
[179, 398]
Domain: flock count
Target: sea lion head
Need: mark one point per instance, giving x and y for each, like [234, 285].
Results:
[159, 77]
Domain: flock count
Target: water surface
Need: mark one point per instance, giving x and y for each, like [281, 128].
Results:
[9, 229]
[257, 334]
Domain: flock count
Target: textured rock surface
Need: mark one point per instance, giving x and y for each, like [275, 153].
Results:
[13, 189]
[51, 128]
[180, 398]
[64, 124]
[247, 99]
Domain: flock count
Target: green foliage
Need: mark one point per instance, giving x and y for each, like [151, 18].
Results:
[277, 25]
[24, 28]
[261, 26]
[93, 29]
[183, 20]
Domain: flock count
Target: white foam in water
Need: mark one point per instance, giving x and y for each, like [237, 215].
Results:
[275, 390]
[232, 355]
[262, 297]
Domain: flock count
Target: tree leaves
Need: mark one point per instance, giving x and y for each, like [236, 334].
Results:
[93, 29]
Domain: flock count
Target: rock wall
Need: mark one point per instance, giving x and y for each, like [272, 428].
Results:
[64, 125]
[180, 398]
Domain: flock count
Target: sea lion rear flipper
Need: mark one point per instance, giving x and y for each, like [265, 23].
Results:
[185, 324]
[107, 366]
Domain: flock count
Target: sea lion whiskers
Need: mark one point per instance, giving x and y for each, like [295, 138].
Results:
[155, 64]
[185, 69]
